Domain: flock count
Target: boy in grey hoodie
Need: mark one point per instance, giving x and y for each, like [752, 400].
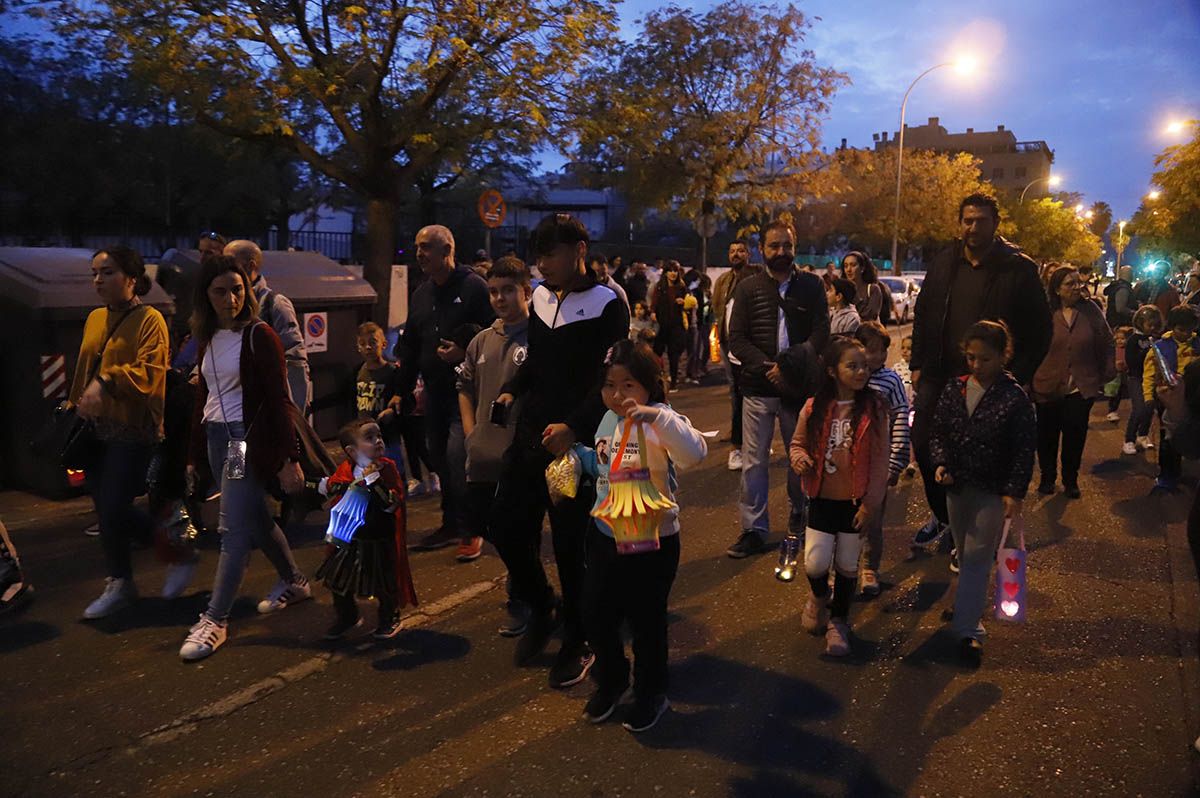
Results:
[492, 359]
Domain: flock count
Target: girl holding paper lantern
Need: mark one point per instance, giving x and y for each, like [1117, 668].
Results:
[633, 541]
[982, 445]
[841, 450]
[368, 555]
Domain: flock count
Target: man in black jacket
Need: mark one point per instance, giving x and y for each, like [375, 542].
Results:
[777, 328]
[451, 298]
[573, 322]
[980, 276]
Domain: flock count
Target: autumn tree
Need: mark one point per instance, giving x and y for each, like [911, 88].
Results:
[1171, 220]
[380, 96]
[1048, 230]
[723, 106]
[859, 206]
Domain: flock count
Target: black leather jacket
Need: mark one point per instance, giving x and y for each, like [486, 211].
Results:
[754, 333]
[1013, 295]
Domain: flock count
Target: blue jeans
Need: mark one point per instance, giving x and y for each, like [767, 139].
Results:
[117, 477]
[759, 414]
[245, 520]
[976, 522]
[1141, 412]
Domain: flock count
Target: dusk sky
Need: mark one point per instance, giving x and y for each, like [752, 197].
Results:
[1097, 81]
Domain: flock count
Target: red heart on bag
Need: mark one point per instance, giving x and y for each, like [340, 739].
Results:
[1011, 588]
[1013, 564]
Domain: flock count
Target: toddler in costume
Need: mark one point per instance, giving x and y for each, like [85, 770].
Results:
[374, 563]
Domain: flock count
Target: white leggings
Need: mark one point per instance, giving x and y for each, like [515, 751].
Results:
[823, 549]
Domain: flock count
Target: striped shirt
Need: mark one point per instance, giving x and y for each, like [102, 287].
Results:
[888, 384]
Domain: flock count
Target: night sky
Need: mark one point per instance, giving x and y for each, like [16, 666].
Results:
[1097, 81]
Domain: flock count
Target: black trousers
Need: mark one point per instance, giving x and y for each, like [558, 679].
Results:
[631, 588]
[1170, 463]
[481, 500]
[1064, 420]
[412, 430]
[448, 458]
[672, 340]
[924, 404]
[522, 503]
[736, 400]
[116, 478]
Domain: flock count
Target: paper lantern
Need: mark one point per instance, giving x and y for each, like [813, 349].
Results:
[634, 506]
[1010, 577]
[347, 516]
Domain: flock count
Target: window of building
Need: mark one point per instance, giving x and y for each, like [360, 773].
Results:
[998, 173]
[1020, 171]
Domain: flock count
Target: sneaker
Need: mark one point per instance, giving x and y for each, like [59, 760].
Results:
[342, 627]
[953, 561]
[17, 600]
[518, 619]
[433, 484]
[388, 627]
[1144, 442]
[869, 582]
[1114, 417]
[1071, 491]
[645, 713]
[815, 617]
[910, 470]
[603, 703]
[749, 542]
[837, 639]
[970, 651]
[933, 530]
[179, 576]
[416, 489]
[439, 538]
[1046, 487]
[537, 634]
[1163, 485]
[1129, 448]
[469, 549]
[571, 667]
[283, 594]
[93, 531]
[118, 594]
[203, 639]
[735, 460]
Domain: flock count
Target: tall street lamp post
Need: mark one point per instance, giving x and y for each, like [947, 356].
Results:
[1051, 180]
[963, 65]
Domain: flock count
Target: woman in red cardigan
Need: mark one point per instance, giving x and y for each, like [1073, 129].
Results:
[242, 431]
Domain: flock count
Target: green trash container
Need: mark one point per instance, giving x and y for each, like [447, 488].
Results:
[46, 294]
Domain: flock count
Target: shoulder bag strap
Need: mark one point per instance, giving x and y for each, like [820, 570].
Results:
[103, 346]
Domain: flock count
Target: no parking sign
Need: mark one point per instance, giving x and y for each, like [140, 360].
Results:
[316, 332]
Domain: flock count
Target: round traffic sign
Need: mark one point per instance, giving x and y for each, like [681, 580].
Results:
[492, 209]
[316, 326]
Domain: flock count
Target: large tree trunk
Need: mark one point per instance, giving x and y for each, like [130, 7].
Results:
[381, 243]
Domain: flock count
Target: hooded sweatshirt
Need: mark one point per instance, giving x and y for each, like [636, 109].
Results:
[493, 357]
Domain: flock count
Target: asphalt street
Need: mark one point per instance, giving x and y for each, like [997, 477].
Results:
[1097, 694]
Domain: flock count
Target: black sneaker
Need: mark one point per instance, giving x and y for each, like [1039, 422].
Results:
[933, 530]
[970, 651]
[518, 619]
[389, 627]
[750, 542]
[342, 627]
[439, 538]
[537, 634]
[603, 703]
[645, 713]
[571, 666]
[1072, 492]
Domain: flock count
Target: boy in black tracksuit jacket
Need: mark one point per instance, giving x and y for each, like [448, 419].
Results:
[559, 383]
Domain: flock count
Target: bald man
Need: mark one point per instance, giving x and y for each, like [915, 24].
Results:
[444, 313]
[277, 310]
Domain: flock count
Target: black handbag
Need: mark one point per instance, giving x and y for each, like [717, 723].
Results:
[71, 435]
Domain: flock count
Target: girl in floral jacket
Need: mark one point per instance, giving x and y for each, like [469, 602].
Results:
[982, 444]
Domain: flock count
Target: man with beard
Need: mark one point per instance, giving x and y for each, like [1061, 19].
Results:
[722, 302]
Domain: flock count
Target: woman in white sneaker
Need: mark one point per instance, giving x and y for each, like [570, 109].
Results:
[242, 431]
[120, 384]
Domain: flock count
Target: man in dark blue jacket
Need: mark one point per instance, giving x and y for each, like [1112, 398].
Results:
[573, 322]
[450, 299]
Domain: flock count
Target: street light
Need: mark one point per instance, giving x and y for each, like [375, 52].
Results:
[1054, 181]
[963, 65]
[1175, 127]
[1153, 195]
[1120, 242]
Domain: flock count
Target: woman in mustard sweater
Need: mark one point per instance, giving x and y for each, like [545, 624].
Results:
[120, 384]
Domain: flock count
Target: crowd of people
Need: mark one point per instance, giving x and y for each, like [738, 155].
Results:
[542, 391]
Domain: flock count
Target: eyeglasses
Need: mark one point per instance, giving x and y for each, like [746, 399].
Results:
[211, 236]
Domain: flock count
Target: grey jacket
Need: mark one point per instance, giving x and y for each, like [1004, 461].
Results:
[279, 312]
[492, 359]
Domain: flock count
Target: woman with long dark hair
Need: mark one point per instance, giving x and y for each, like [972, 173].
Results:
[667, 303]
[858, 268]
[120, 385]
[242, 432]
[1080, 361]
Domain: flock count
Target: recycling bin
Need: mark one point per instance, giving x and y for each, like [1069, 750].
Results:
[46, 294]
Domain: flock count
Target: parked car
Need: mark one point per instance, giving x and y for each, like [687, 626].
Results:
[904, 296]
